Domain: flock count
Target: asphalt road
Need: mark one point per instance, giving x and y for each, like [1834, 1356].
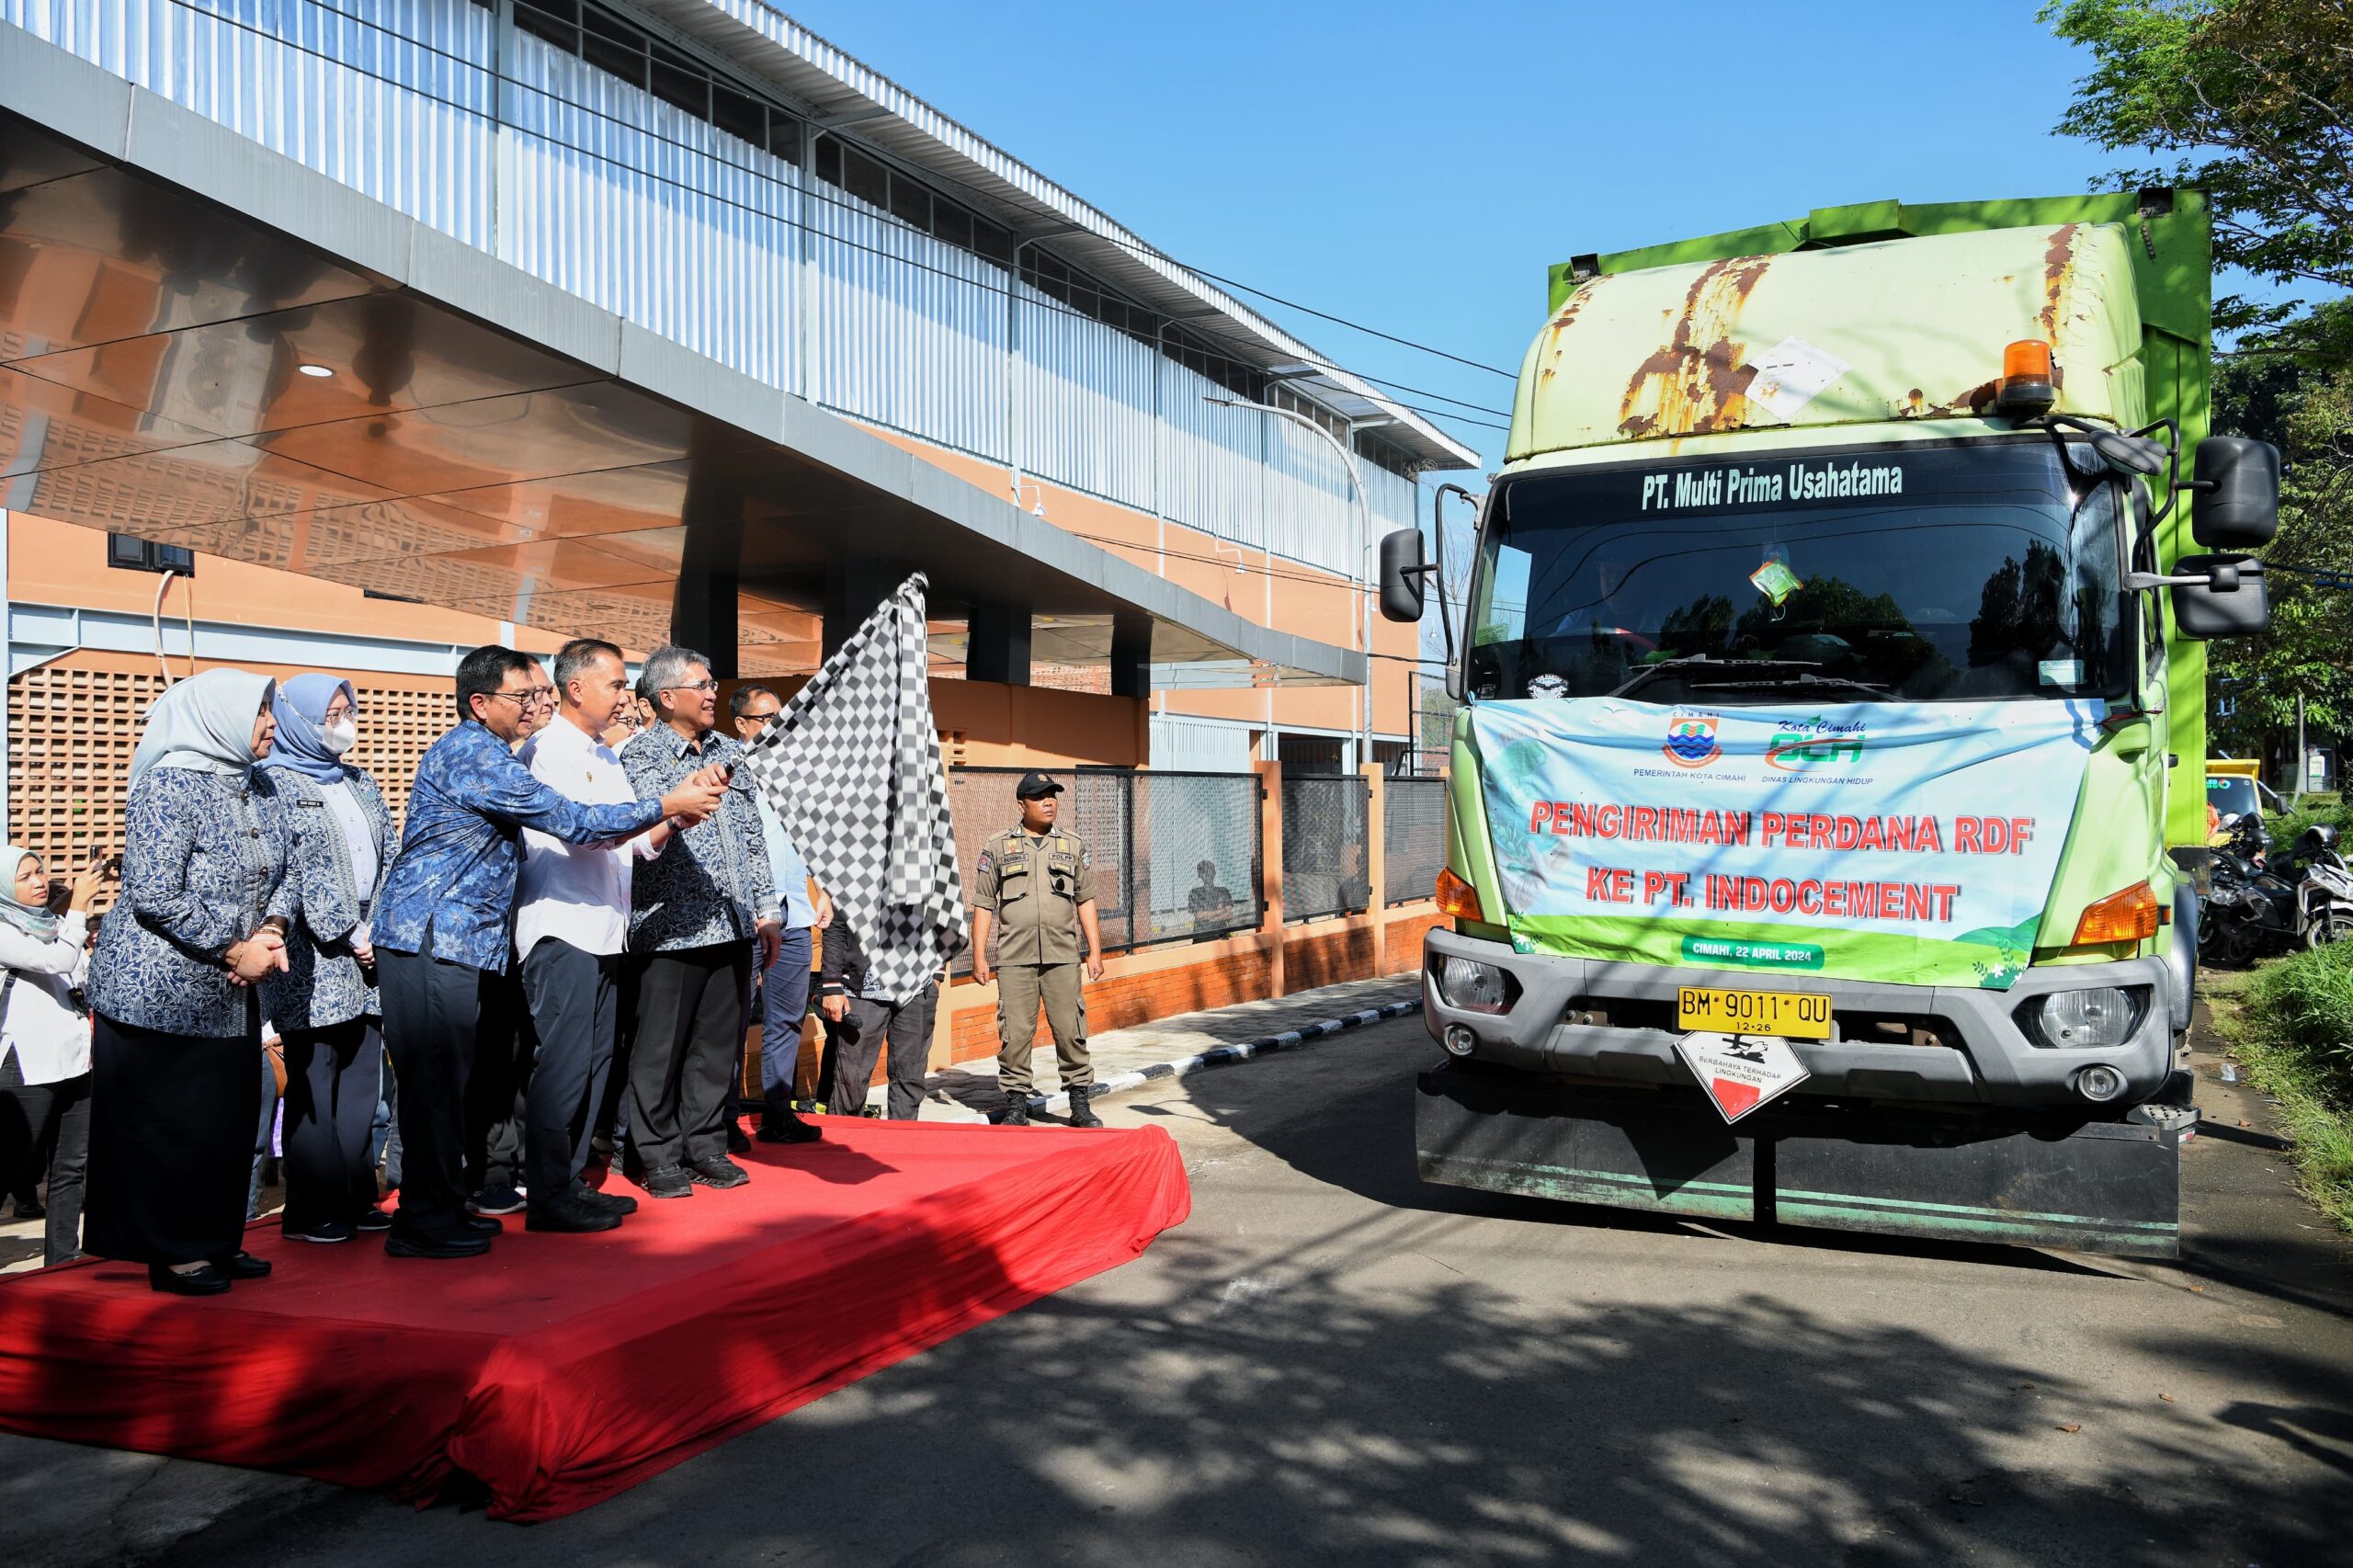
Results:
[1331, 1363]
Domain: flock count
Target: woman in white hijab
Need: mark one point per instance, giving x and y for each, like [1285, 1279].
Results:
[205, 903]
[44, 1041]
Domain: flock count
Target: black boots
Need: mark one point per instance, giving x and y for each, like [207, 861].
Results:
[1017, 1111]
[1081, 1113]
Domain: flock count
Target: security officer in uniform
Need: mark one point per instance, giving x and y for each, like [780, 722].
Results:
[1034, 891]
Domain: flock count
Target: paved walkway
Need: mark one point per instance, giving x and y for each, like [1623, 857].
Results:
[1128, 1059]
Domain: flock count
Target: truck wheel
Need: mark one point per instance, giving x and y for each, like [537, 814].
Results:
[2337, 925]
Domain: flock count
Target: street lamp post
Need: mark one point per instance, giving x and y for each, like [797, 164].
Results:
[1364, 554]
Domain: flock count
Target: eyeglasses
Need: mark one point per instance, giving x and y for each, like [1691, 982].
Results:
[694, 686]
[340, 712]
[536, 696]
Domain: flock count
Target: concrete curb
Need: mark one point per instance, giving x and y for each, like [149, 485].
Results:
[1058, 1103]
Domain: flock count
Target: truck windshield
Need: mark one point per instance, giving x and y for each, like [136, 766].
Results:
[1971, 571]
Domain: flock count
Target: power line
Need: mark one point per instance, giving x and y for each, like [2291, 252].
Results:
[850, 206]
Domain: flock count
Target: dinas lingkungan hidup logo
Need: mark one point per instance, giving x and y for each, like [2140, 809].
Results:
[1691, 739]
[1798, 748]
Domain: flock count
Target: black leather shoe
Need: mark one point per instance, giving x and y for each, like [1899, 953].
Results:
[205, 1281]
[783, 1126]
[618, 1202]
[573, 1213]
[1017, 1111]
[718, 1171]
[372, 1221]
[454, 1244]
[669, 1181]
[1081, 1113]
[736, 1142]
[481, 1225]
[242, 1266]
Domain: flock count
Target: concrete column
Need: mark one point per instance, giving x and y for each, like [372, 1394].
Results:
[996, 646]
[1131, 657]
[854, 586]
[702, 612]
[1270, 870]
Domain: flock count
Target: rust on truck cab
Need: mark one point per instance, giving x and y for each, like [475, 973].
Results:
[1699, 381]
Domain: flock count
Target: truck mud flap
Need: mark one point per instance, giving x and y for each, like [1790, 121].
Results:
[2097, 1187]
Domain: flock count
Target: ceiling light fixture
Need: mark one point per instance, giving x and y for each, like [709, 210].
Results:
[321, 372]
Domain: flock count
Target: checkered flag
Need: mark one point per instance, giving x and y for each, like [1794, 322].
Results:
[851, 767]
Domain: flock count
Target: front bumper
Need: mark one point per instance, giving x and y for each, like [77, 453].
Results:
[1919, 1044]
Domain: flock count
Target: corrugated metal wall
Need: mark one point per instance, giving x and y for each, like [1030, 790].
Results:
[652, 213]
[429, 159]
[661, 217]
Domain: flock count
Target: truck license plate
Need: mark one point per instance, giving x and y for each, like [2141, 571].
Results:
[1792, 1015]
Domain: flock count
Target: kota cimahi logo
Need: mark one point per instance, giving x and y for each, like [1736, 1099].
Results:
[1691, 739]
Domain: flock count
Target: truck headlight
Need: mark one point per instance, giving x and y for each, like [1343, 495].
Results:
[2095, 1018]
[1472, 986]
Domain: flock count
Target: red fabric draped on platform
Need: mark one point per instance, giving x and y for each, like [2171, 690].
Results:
[563, 1369]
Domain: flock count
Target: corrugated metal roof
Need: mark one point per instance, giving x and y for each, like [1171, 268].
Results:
[847, 94]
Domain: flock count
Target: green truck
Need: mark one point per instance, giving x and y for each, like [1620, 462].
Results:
[1827, 806]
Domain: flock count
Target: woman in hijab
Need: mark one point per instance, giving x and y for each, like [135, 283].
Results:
[206, 905]
[324, 1005]
[44, 1041]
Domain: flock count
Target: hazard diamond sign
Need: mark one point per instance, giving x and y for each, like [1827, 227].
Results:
[1742, 1071]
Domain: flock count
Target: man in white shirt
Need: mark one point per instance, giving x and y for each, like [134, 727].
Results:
[572, 904]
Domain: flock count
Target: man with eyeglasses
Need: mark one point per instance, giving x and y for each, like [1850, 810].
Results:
[444, 929]
[698, 911]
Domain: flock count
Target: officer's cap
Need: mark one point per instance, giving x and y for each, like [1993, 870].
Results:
[1035, 785]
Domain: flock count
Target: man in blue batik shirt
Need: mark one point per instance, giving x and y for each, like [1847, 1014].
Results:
[444, 927]
[698, 911]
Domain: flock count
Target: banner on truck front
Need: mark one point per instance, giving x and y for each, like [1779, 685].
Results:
[1911, 843]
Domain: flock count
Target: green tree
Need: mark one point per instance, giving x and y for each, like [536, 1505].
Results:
[2252, 100]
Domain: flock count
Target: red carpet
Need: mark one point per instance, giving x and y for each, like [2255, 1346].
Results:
[562, 1370]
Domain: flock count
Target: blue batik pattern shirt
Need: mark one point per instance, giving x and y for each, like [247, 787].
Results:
[454, 876]
[712, 884]
[324, 983]
[204, 863]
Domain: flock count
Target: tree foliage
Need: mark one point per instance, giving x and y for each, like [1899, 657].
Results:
[2252, 100]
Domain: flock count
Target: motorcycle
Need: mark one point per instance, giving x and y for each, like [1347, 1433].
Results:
[2261, 902]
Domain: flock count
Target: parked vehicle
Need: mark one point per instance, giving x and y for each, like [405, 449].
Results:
[2263, 903]
[1828, 792]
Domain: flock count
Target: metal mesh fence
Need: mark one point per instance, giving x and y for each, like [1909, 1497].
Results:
[1413, 836]
[1175, 855]
[1326, 846]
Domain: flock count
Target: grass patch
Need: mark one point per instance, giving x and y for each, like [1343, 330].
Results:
[2290, 1024]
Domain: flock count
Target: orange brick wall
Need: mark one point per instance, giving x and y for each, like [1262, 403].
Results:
[1404, 940]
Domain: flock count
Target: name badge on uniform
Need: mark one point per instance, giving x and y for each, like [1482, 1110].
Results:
[311, 805]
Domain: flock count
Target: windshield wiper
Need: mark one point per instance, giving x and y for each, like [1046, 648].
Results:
[1708, 661]
[1804, 678]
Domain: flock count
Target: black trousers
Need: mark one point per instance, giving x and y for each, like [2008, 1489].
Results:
[433, 1012]
[494, 1088]
[171, 1143]
[333, 1077]
[567, 1026]
[860, 1037]
[55, 1116]
[691, 1008]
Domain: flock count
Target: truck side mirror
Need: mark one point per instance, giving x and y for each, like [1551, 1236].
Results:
[2235, 499]
[1401, 570]
[2231, 602]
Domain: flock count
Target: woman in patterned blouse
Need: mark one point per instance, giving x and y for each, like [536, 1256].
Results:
[324, 1005]
[205, 907]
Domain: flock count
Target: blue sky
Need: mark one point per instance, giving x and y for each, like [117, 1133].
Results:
[1417, 167]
